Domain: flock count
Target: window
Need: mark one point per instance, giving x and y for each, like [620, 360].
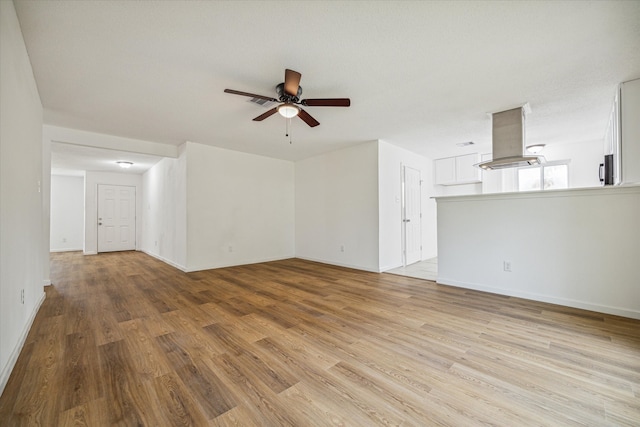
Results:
[548, 176]
[529, 179]
[555, 176]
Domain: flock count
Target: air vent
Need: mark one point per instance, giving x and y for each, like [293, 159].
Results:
[464, 144]
[263, 102]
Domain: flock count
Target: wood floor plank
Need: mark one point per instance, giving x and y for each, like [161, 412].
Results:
[240, 416]
[42, 377]
[18, 375]
[104, 323]
[556, 392]
[159, 303]
[406, 404]
[88, 414]
[177, 405]
[257, 397]
[212, 395]
[144, 350]
[311, 406]
[127, 398]
[525, 403]
[207, 389]
[623, 414]
[124, 339]
[156, 325]
[192, 335]
[79, 373]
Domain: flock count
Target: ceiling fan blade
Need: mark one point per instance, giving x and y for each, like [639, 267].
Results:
[252, 95]
[327, 102]
[265, 115]
[291, 82]
[306, 117]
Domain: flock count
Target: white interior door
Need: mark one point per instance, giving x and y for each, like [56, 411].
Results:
[116, 218]
[412, 215]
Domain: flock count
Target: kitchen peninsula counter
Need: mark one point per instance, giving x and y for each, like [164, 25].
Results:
[576, 247]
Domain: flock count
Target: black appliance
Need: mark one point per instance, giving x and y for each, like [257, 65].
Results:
[606, 170]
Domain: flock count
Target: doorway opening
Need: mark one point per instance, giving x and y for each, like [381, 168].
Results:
[411, 216]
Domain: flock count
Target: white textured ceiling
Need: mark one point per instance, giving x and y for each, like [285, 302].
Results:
[421, 75]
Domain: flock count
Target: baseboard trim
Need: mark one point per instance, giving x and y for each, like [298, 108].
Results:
[13, 358]
[65, 250]
[90, 253]
[165, 260]
[567, 302]
[244, 262]
[340, 264]
[386, 268]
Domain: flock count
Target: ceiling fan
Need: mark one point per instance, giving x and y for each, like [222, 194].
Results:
[289, 94]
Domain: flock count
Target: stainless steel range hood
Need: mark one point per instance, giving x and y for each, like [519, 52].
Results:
[508, 141]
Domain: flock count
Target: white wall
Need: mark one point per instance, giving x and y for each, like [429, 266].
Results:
[579, 248]
[67, 213]
[46, 208]
[92, 179]
[22, 241]
[391, 159]
[111, 142]
[164, 211]
[336, 205]
[240, 208]
[585, 157]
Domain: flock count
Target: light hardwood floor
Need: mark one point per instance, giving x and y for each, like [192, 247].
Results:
[125, 339]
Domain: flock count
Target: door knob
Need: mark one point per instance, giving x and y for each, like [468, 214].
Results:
[99, 223]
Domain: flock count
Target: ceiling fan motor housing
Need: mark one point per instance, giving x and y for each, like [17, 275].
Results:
[285, 97]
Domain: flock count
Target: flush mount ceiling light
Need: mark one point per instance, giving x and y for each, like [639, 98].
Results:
[536, 148]
[288, 110]
[124, 165]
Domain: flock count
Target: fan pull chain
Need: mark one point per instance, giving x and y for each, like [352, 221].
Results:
[288, 121]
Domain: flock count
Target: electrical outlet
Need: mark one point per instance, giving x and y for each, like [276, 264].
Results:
[507, 266]
[22, 296]
[230, 248]
[341, 248]
[64, 240]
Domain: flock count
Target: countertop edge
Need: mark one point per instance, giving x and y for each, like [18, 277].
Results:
[571, 192]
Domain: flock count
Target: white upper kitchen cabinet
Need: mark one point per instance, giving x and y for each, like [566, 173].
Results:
[466, 172]
[622, 138]
[630, 132]
[445, 171]
[457, 170]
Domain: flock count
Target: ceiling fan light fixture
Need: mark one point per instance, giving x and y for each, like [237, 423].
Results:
[536, 148]
[288, 110]
[124, 165]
